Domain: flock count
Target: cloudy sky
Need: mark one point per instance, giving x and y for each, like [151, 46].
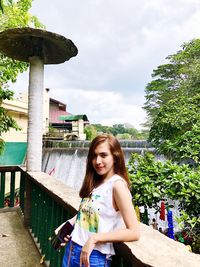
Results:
[120, 42]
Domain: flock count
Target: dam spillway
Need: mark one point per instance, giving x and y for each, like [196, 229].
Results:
[66, 160]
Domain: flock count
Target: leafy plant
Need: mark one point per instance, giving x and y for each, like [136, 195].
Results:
[173, 104]
[192, 228]
[153, 180]
[90, 132]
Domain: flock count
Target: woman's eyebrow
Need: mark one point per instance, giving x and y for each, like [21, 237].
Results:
[101, 153]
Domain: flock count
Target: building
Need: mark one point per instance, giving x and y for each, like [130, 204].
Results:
[54, 126]
[18, 110]
[75, 125]
[15, 141]
[63, 125]
[57, 109]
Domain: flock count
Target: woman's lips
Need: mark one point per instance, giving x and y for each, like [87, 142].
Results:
[99, 168]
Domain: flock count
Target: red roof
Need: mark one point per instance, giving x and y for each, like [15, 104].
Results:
[56, 109]
[57, 103]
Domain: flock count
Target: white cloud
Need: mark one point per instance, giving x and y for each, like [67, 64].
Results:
[107, 108]
[119, 43]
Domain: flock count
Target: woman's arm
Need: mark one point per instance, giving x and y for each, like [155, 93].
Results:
[123, 203]
[73, 220]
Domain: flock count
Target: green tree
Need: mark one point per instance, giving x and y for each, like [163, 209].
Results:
[152, 181]
[177, 122]
[173, 103]
[1, 5]
[121, 131]
[90, 132]
[101, 128]
[12, 15]
[118, 129]
[124, 136]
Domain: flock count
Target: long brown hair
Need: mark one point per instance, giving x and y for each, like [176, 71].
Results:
[91, 177]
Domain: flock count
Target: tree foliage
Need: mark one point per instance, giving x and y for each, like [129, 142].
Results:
[120, 131]
[173, 108]
[173, 104]
[90, 132]
[153, 180]
[13, 14]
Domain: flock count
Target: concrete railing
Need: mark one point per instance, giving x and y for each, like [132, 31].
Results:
[48, 202]
[45, 203]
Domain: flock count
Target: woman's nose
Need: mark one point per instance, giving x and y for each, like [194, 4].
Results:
[98, 160]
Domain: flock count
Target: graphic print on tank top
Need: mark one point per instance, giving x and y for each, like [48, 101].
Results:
[88, 215]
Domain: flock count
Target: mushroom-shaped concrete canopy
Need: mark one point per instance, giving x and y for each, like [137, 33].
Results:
[23, 43]
[38, 47]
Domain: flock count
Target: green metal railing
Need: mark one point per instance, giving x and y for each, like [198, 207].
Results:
[46, 213]
[46, 216]
[43, 212]
[10, 197]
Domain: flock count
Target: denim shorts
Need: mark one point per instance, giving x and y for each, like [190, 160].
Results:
[72, 257]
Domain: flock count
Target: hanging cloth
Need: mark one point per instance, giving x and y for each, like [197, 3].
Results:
[52, 172]
[170, 232]
[162, 211]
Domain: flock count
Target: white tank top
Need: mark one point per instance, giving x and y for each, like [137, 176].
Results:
[97, 215]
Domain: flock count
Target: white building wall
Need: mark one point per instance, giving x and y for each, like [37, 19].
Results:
[18, 110]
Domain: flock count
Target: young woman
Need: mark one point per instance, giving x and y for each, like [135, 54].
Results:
[106, 212]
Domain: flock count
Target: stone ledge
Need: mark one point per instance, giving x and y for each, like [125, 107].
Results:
[153, 249]
[64, 194]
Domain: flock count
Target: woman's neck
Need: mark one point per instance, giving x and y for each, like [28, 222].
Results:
[101, 180]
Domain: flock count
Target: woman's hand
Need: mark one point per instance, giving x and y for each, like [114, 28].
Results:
[86, 251]
[67, 239]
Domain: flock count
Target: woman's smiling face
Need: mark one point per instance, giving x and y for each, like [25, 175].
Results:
[103, 161]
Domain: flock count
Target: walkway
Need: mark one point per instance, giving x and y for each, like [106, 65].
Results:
[16, 245]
